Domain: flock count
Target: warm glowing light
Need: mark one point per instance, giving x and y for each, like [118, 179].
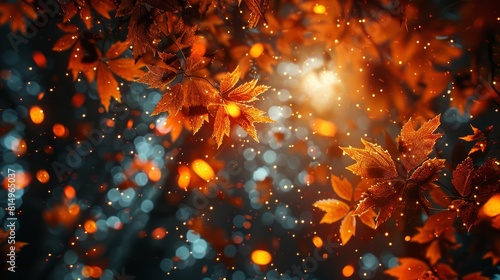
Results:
[19, 147]
[199, 48]
[91, 271]
[233, 110]
[261, 257]
[39, 59]
[202, 169]
[23, 179]
[90, 226]
[159, 233]
[36, 115]
[492, 207]
[74, 209]
[69, 192]
[319, 9]
[317, 241]
[320, 88]
[87, 271]
[348, 270]
[154, 174]
[42, 176]
[323, 127]
[59, 130]
[184, 177]
[256, 50]
[78, 99]
[97, 273]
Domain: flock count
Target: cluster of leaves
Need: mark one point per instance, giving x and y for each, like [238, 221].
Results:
[401, 178]
[161, 51]
[405, 50]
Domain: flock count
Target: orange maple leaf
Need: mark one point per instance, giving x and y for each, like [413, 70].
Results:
[415, 146]
[233, 105]
[84, 56]
[481, 138]
[392, 188]
[104, 67]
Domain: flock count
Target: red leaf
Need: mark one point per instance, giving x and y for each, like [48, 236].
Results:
[462, 177]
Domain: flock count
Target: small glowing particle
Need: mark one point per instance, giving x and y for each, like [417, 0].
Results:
[42, 176]
[317, 241]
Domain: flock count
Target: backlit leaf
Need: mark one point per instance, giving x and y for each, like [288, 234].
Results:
[221, 125]
[371, 162]
[335, 210]
[415, 145]
[107, 86]
[342, 187]
[462, 177]
[367, 218]
[171, 101]
[347, 228]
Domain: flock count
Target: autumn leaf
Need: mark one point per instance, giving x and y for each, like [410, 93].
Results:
[107, 86]
[408, 269]
[415, 145]
[83, 8]
[221, 126]
[342, 187]
[258, 8]
[391, 188]
[337, 209]
[439, 235]
[347, 228]
[495, 257]
[15, 14]
[475, 185]
[158, 76]
[371, 162]
[445, 271]
[462, 177]
[84, 57]
[143, 33]
[481, 138]
[235, 106]
[171, 101]
[334, 208]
